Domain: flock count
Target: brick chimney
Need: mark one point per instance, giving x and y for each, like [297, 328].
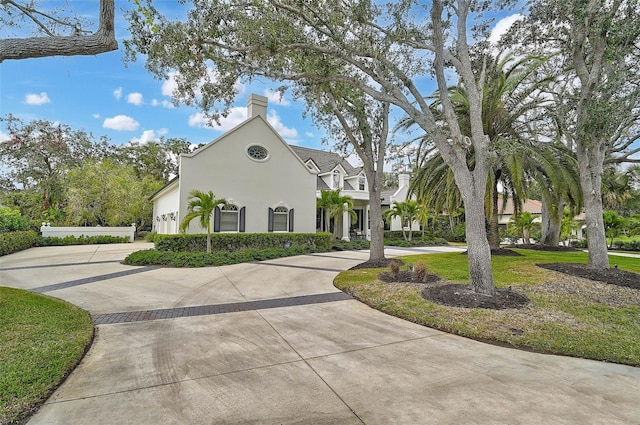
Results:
[257, 105]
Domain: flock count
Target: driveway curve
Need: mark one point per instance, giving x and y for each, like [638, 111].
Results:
[276, 343]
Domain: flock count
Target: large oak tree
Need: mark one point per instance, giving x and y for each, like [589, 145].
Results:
[381, 49]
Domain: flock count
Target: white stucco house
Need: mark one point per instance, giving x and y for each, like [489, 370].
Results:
[267, 186]
[271, 186]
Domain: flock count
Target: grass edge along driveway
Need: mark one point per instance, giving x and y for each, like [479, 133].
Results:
[566, 316]
[41, 340]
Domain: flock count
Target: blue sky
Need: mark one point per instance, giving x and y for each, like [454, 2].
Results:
[100, 95]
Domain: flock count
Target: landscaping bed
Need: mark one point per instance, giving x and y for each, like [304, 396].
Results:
[538, 309]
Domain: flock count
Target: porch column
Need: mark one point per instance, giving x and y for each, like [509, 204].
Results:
[367, 222]
[346, 224]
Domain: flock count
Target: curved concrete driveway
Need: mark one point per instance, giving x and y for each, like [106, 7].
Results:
[275, 343]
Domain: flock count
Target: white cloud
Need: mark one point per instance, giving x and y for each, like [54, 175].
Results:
[275, 98]
[4, 136]
[121, 123]
[36, 99]
[235, 117]
[286, 132]
[163, 103]
[502, 26]
[134, 98]
[96, 115]
[149, 136]
[117, 93]
[238, 115]
[308, 134]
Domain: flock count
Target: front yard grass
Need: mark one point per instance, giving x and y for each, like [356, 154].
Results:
[567, 315]
[41, 340]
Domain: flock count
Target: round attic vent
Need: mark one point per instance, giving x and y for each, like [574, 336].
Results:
[258, 153]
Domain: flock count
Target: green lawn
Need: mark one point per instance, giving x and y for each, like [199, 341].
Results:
[589, 320]
[41, 340]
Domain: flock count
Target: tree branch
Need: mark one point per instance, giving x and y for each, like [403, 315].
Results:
[101, 41]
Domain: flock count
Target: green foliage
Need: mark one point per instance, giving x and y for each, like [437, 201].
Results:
[41, 340]
[106, 193]
[407, 212]
[201, 206]
[215, 258]
[80, 240]
[334, 206]
[11, 221]
[241, 241]
[17, 241]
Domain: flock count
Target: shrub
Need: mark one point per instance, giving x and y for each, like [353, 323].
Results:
[419, 272]
[216, 258]
[80, 240]
[581, 244]
[12, 221]
[17, 241]
[394, 269]
[340, 245]
[242, 241]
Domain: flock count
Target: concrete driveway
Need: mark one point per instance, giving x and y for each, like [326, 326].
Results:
[275, 342]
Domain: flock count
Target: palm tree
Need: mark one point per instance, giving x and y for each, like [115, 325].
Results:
[334, 205]
[407, 211]
[524, 223]
[201, 205]
[511, 108]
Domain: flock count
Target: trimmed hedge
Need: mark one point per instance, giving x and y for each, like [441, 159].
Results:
[241, 241]
[17, 241]
[80, 240]
[217, 258]
[632, 245]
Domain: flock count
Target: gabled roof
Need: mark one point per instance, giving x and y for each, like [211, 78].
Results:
[325, 161]
[385, 196]
[530, 205]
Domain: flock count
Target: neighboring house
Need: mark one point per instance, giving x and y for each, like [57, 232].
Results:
[267, 186]
[507, 212]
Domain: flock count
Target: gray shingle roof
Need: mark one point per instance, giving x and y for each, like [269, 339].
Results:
[325, 161]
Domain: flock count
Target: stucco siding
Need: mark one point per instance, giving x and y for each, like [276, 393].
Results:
[225, 168]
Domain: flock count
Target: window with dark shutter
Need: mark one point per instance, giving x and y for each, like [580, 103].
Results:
[291, 220]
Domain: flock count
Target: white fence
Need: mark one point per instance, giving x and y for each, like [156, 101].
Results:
[61, 232]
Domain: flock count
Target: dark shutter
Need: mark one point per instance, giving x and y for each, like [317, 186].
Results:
[216, 219]
[270, 225]
[241, 218]
[291, 220]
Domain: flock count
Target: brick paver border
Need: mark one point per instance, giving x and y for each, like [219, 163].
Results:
[205, 310]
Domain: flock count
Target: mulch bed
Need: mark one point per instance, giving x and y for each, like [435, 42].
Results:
[404, 276]
[377, 264]
[611, 276]
[456, 295]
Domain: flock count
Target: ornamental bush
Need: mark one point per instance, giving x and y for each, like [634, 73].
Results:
[80, 240]
[216, 258]
[241, 241]
[12, 221]
[17, 241]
